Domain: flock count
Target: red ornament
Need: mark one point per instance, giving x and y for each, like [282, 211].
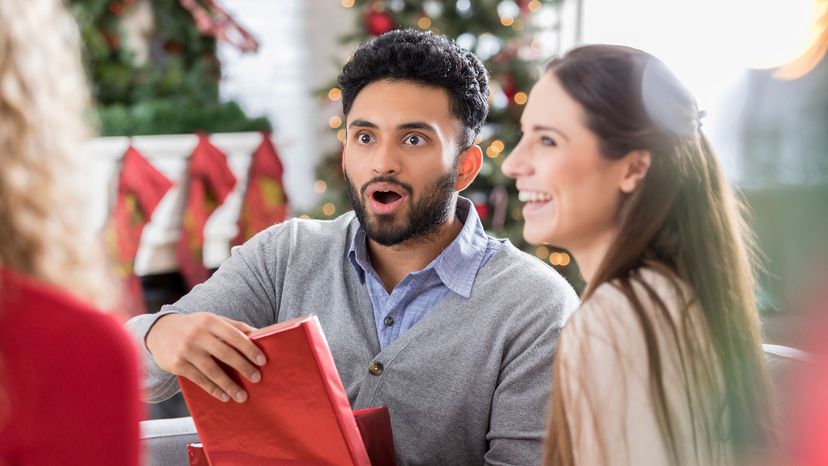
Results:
[116, 8]
[482, 211]
[113, 40]
[173, 48]
[524, 8]
[509, 86]
[377, 23]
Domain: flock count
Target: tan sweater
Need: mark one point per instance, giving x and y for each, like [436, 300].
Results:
[606, 379]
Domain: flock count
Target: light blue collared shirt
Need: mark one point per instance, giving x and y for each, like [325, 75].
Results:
[419, 292]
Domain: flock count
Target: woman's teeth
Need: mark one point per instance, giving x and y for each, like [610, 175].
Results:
[534, 196]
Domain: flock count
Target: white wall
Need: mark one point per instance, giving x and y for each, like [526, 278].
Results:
[299, 53]
[709, 44]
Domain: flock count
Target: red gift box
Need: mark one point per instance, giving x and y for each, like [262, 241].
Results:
[374, 426]
[297, 414]
[196, 455]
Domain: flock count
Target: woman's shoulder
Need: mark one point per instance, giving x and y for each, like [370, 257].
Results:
[34, 309]
[611, 305]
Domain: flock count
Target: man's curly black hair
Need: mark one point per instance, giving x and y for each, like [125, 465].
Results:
[423, 58]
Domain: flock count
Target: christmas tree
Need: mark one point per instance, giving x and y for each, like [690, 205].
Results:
[153, 66]
[505, 35]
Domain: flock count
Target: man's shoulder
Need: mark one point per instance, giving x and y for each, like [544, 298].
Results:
[516, 277]
[310, 230]
[519, 265]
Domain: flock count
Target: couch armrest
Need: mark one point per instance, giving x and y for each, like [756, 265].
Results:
[164, 441]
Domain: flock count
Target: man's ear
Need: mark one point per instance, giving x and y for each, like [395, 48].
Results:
[634, 167]
[468, 166]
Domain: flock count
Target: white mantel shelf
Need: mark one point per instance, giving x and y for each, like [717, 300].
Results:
[169, 154]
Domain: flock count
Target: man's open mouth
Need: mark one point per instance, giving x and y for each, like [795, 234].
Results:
[385, 198]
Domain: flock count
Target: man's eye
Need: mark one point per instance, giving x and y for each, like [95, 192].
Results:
[364, 138]
[547, 141]
[414, 140]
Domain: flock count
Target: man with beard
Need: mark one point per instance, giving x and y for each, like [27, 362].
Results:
[452, 330]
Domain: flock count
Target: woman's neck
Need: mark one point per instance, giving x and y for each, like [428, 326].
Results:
[589, 256]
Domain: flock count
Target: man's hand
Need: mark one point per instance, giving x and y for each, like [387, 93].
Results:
[185, 345]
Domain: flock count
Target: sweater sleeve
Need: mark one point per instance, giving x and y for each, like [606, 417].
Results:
[244, 288]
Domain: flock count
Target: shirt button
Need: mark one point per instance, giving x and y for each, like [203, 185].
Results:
[375, 368]
[389, 321]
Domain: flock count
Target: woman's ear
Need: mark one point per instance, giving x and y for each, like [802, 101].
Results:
[635, 166]
[468, 166]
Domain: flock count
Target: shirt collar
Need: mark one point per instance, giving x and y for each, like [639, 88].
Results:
[456, 266]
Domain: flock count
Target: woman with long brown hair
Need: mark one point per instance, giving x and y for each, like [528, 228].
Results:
[69, 387]
[662, 364]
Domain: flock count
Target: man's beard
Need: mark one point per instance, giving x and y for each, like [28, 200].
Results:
[424, 215]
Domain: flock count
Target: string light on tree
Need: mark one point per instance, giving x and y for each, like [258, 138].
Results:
[320, 186]
[555, 258]
[335, 122]
[494, 149]
[559, 259]
[335, 94]
[347, 3]
[329, 209]
[521, 98]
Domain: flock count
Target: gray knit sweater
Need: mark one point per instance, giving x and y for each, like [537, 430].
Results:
[467, 385]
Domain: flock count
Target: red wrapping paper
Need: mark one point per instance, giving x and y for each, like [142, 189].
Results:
[196, 455]
[297, 414]
[374, 426]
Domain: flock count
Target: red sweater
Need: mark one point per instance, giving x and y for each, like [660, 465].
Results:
[69, 386]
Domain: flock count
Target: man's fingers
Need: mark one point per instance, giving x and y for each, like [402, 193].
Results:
[234, 336]
[194, 375]
[226, 353]
[243, 327]
[208, 366]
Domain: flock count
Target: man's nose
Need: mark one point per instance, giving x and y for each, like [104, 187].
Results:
[386, 160]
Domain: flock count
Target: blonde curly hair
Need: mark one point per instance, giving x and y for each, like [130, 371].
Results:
[44, 102]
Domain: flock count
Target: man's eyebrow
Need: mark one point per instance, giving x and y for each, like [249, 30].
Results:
[413, 125]
[417, 125]
[363, 124]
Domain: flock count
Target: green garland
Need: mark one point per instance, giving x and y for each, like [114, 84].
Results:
[176, 91]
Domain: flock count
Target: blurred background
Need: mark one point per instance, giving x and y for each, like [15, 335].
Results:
[248, 71]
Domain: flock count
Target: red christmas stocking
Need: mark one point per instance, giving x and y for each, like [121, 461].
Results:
[210, 181]
[140, 189]
[265, 202]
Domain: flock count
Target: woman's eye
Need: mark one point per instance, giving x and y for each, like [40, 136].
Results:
[547, 141]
